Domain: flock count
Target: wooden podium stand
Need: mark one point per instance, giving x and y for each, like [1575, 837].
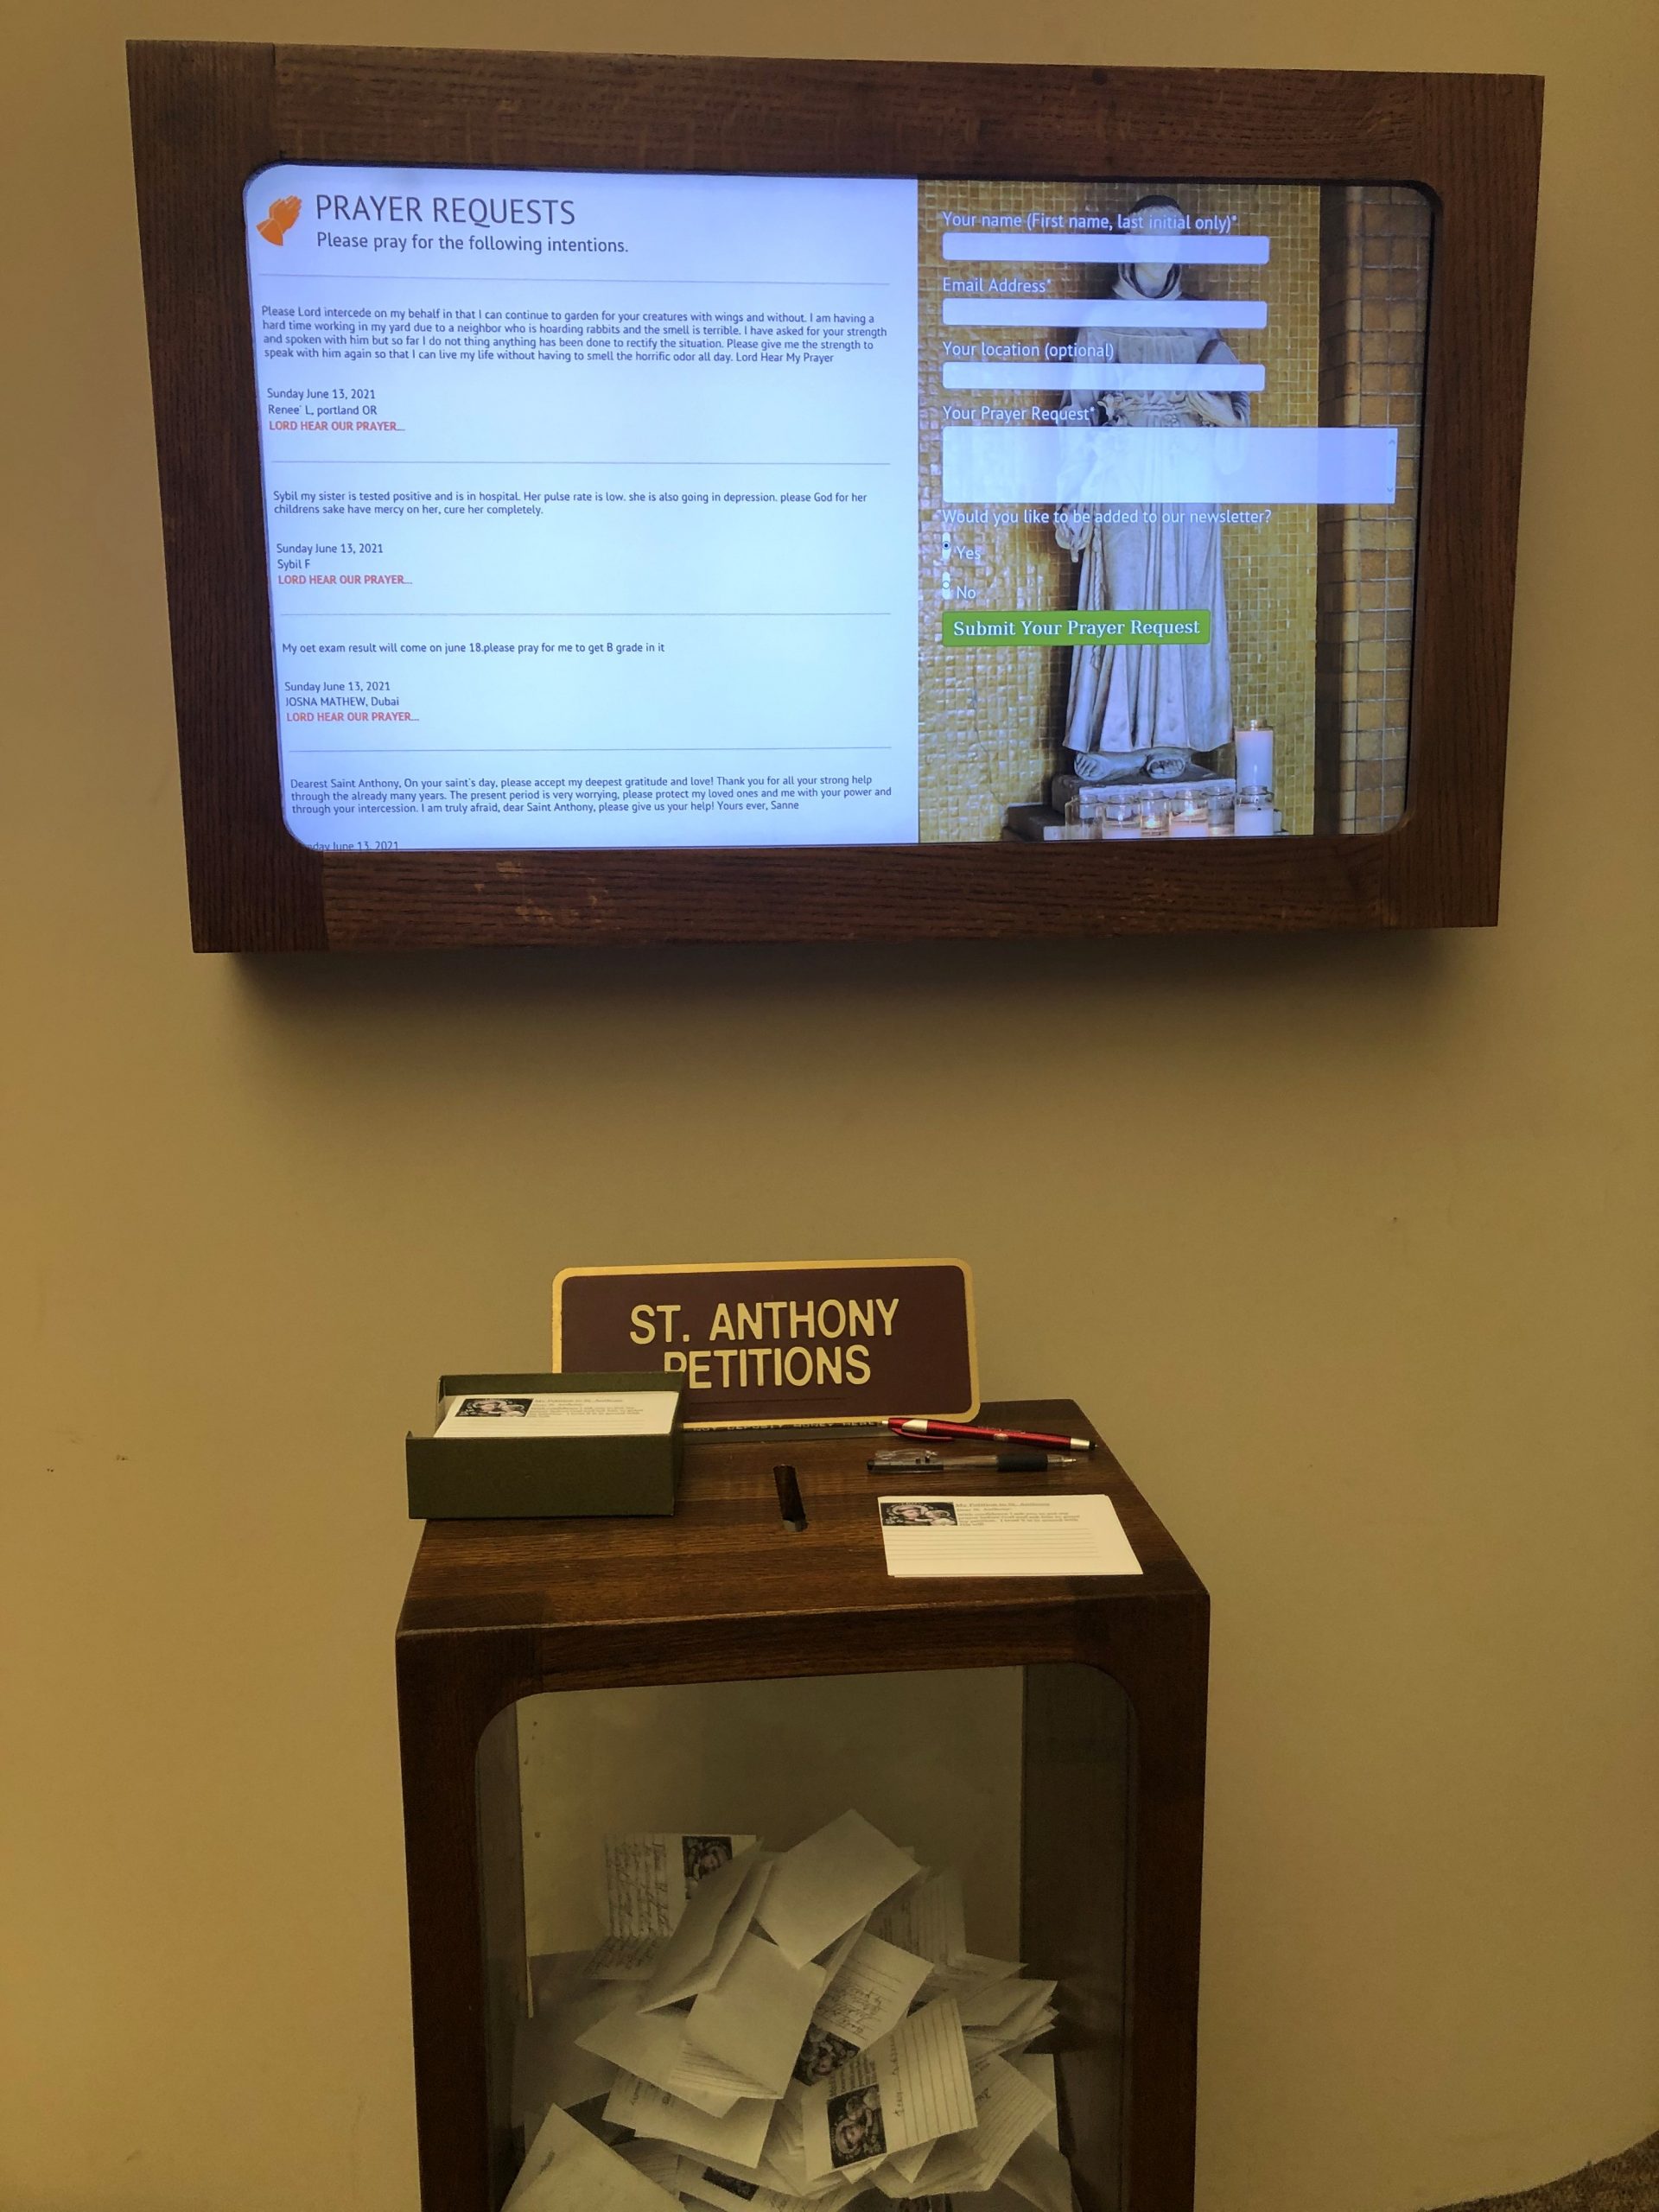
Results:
[1112, 1800]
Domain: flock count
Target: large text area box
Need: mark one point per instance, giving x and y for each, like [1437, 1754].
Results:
[1090, 468]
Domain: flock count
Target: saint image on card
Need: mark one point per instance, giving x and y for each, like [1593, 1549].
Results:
[492, 1409]
[856, 2131]
[704, 1855]
[822, 2055]
[919, 1513]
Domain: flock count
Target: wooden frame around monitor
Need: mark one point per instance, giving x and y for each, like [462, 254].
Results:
[206, 115]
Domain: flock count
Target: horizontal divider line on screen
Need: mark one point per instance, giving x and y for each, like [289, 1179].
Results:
[333, 460]
[432, 276]
[556, 751]
[589, 613]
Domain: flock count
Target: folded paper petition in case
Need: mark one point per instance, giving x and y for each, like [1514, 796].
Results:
[783, 2031]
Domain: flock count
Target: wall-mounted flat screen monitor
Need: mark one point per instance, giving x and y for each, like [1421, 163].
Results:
[612, 499]
[609, 510]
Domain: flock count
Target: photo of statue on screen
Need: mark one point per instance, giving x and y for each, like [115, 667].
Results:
[1136, 711]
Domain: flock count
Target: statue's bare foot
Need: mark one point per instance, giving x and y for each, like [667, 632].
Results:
[1168, 764]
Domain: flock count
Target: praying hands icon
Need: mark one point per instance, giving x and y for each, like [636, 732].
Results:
[280, 218]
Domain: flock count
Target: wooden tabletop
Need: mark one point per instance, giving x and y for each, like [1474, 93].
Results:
[726, 1555]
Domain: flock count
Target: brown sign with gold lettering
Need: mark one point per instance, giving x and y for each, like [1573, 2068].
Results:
[849, 1340]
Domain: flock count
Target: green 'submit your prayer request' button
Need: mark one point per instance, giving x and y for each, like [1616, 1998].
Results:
[1078, 625]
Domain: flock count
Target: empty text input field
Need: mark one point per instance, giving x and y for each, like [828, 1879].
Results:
[1155, 248]
[1106, 376]
[1107, 314]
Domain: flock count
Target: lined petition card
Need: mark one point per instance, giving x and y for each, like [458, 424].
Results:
[1005, 1535]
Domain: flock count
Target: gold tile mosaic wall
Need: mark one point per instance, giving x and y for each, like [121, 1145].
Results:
[993, 718]
[1373, 330]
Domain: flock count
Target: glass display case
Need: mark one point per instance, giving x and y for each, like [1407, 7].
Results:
[606, 1724]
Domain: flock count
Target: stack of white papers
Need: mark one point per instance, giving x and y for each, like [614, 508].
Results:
[563, 1413]
[796, 2031]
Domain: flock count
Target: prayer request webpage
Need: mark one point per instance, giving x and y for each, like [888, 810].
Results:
[592, 499]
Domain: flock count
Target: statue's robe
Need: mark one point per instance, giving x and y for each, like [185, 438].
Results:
[1128, 698]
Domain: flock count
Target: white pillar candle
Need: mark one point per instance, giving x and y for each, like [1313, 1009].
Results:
[1253, 751]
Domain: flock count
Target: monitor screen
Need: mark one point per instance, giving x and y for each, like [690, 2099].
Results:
[614, 510]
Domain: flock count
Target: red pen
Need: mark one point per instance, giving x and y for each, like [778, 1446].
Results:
[1001, 1435]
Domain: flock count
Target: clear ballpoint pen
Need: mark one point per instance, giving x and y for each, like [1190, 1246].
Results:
[916, 1426]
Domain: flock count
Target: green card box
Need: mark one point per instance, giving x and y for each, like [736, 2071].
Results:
[535, 1478]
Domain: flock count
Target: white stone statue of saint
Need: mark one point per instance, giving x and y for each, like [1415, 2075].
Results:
[1141, 699]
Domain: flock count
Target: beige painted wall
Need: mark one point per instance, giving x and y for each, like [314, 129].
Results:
[1369, 1314]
